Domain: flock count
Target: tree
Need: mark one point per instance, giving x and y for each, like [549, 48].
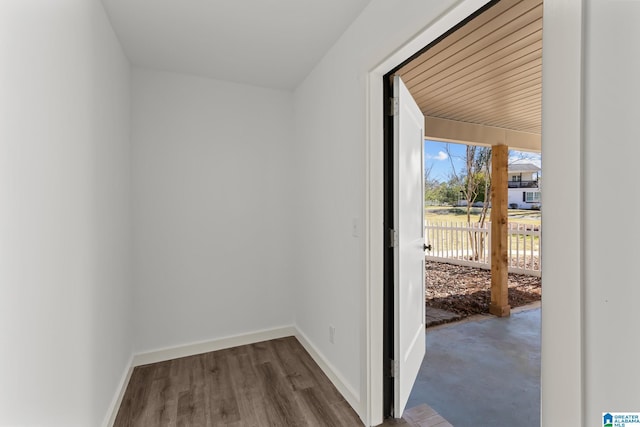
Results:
[475, 178]
[523, 157]
[442, 193]
[483, 168]
[476, 184]
[430, 185]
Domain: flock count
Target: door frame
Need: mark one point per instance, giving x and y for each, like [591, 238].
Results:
[389, 218]
[374, 401]
[562, 355]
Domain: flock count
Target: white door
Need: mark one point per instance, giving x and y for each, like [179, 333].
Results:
[408, 125]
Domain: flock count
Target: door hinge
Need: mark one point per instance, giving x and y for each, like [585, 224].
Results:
[393, 106]
[394, 368]
[393, 238]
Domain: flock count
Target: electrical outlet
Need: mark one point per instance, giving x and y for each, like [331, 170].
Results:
[332, 334]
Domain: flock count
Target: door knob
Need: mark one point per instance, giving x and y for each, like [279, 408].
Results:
[427, 247]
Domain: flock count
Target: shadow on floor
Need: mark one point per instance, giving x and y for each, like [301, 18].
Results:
[483, 373]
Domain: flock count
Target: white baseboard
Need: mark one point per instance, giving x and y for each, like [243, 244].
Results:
[207, 346]
[117, 399]
[349, 394]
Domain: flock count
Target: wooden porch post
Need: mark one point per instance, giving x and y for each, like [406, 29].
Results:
[499, 214]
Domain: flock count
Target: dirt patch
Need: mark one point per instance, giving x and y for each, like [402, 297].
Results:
[467, 290]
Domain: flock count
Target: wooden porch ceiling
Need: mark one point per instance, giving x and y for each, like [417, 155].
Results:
[482, 84]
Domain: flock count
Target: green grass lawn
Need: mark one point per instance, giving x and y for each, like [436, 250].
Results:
[459, 214]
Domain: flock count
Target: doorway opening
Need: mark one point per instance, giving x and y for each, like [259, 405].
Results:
[478, 83]
[458, 228]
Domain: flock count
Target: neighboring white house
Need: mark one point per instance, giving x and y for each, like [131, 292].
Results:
[524, 186]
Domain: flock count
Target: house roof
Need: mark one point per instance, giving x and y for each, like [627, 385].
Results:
[523, 167]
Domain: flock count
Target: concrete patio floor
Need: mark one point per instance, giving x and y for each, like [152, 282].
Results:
[483, 372]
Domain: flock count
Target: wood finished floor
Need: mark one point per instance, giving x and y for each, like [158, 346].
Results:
[419, 416]
[271, 383]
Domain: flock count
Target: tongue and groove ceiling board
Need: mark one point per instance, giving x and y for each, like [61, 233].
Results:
[487, 73]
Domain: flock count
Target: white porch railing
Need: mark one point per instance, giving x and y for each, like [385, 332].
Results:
[470, 245]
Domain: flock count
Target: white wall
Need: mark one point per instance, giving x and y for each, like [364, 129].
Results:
[331, 111]
[611, 153]
[588, 307]
[65, 285]
[212, 209]
[515, 196]
[229, 221]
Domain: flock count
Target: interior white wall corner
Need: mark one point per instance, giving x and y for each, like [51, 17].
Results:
[212, 209]
[331, 113]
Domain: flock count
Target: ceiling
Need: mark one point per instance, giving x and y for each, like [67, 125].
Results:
[268, 43]
[481, 84]
[488, 73]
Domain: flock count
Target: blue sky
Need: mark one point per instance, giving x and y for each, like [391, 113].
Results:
[435, 156]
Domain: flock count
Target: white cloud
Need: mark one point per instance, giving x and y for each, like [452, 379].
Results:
[440, 156]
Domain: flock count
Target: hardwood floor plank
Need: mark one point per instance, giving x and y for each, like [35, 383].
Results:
[272, 383]
[345, 413]
[162, 370]
[297, 373]
[316, 410]
[161, 407]
[191, 408]
[248, 391]
[136, 396]
[223, 406]
[319, 378]
[395, 422]
[263, 352]
[282, 409]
